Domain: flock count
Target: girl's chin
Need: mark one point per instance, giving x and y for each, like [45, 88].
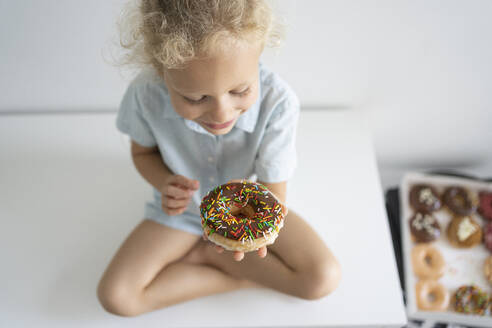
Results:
[218, 129]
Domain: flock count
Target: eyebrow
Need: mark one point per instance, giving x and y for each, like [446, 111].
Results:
[243, 84]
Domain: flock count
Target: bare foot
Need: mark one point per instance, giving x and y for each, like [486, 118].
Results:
[196, 255]
[200, 254]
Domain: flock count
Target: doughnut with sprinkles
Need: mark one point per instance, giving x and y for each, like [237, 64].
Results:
[242, 216]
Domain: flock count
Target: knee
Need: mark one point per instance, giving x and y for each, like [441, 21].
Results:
[321, 279]
[117, 299]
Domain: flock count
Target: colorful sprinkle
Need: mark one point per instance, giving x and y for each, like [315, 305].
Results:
[217, 205]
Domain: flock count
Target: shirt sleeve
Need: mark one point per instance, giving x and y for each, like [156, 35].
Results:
[131, 118]
[276, 159]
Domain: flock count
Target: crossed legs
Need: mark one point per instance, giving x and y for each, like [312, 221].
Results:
[155, 262]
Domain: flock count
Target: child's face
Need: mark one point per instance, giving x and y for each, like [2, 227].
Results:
[214, 91]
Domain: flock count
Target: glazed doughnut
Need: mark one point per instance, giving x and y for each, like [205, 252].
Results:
[485, 207]
[487, 239]
[460, 201]
[424, 198]
[242, 216]
[487, 269]
[431, 295]
[470, 300]
[464, 232]
[424, 228]
[427, 262]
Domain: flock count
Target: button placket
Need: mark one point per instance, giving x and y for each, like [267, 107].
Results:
[211, 159]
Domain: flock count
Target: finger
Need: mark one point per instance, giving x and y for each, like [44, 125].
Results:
[238, 256]
[176, 203]
[285, 209]
[185, 182]
[262, 252]
[176, 192]
[204, 236]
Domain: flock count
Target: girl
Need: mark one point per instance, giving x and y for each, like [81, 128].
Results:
[204, 111]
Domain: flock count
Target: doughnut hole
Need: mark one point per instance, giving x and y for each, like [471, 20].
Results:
[431, 297]
[428, 260]
[242, 212]
[459, 201]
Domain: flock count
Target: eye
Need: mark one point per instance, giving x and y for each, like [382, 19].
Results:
[193, 101]
[242, 93]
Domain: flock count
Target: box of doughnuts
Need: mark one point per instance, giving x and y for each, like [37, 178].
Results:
[446, 229]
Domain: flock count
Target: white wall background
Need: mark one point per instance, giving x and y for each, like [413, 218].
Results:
[422, 69]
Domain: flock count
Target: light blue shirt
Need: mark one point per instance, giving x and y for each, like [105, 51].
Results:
[261, 144]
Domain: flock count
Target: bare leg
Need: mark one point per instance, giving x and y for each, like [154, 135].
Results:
[180, 282]
[151, 268]
[298, 263]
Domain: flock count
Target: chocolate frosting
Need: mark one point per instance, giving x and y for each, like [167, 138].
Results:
[241, 211]
[460, 200]
[424, 227]
[424, 198]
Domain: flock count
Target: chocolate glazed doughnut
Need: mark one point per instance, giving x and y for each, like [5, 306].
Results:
[242, 216]
[424, 228]
[424, 198]
[460, 200]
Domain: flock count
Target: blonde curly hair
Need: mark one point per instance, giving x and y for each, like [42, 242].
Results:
[169, 33]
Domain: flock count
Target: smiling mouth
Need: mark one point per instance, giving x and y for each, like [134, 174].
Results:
[219, 126]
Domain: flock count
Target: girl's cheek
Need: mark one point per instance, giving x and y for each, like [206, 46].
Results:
[189, 113]
[251, 100]
[185, 110]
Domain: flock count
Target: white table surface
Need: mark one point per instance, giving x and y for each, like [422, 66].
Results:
[69, 195]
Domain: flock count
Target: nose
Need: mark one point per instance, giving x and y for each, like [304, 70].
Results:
[221, 111]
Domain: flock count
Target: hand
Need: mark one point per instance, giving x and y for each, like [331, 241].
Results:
[238, 255]
[176, 193]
